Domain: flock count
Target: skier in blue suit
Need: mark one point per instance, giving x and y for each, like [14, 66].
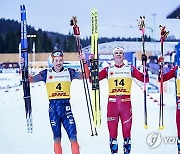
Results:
[58, 80]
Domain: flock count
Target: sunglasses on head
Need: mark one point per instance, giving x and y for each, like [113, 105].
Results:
[57, 54]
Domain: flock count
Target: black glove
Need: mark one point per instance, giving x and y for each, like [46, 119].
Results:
[144, 58]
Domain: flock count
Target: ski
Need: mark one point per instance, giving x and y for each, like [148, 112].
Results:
[95, 69]
[24, 69]
[142, 29]
[163, 36]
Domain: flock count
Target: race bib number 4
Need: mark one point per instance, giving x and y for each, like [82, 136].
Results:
[57, 90]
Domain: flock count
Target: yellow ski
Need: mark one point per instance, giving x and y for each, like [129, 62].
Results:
[95, 70]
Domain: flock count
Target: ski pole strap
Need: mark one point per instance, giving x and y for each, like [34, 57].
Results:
[79, 45]
[163, 32]
[141, 24]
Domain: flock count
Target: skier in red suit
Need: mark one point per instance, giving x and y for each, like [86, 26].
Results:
[119, 102]
[174, 72]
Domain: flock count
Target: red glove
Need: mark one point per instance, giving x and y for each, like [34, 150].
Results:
[161, 59]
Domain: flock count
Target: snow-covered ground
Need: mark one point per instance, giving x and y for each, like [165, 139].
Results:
[15, 139]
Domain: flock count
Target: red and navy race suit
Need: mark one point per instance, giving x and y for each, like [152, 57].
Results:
[175, 72]
[58, 89]
[119, 101]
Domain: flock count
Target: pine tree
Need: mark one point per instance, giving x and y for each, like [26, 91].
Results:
[11, 42]
[1, 44]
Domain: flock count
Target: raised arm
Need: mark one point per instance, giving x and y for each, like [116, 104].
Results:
[169, 75]
[41, 76]
[103, 73]
[79, 75]
[138, 75]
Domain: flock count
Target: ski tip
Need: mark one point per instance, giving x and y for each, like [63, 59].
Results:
[22, 7]
[146, 126]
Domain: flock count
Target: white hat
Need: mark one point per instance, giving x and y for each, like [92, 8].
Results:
[118, 48]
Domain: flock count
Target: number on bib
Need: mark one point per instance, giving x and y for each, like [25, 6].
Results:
[59, 86]
[119, 82]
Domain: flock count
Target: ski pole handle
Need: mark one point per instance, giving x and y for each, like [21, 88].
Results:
[76, 30]
[163, 32]
[141, 24]
[144, 59]
[73, 23]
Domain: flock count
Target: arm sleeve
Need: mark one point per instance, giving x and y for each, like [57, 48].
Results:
[77, 74]
[103, 73]
[169, 75]
[41, 76]
[87, 71]
[138, 75]
[74, 74]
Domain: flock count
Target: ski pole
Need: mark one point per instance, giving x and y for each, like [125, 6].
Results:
[142, 29]
[76, 31]
[163, 36]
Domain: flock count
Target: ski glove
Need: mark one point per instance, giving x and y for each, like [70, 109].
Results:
[82, 57]
[161, 59]
[30, 77]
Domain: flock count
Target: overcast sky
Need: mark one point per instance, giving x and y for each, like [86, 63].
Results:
[115, 17]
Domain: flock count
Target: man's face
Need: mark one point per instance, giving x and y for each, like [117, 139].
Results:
[118, 55]
[58, 62]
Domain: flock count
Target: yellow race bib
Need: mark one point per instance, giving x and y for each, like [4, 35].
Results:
[58, 90]
[120, 86]
[178, 87]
